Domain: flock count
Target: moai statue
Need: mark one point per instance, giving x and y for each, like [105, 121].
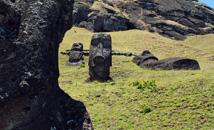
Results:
[76, 55]
[145, 58]
[148, 60]
[100, 57]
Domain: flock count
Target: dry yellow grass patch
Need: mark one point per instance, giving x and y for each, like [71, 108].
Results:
[98, 5]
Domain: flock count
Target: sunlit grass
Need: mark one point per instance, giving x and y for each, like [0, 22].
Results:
[184, 100]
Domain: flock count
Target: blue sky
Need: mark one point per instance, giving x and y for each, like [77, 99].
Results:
[208, 2]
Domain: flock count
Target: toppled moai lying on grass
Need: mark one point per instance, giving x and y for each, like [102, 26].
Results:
[100, 57]
[76, 55]
[148, 60]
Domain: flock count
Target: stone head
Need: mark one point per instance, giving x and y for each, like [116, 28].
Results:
[100, 57]
[146, 53]
[77, 47]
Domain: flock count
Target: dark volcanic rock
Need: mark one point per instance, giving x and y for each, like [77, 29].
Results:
[172, 18]
[146, 56]
[107, 23]
[101, 18]
[147, 60]
[76, 55]
[175, 63]
[80, 13]
[100, 57]
[30, 97]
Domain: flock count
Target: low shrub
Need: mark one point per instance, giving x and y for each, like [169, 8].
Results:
[145, 109]
[149, 84]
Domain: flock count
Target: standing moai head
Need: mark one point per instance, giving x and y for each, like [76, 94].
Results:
[76, 55]
[77, 47]
[100, 57]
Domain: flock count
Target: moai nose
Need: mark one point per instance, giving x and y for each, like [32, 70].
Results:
[99, 58]
[99, 47]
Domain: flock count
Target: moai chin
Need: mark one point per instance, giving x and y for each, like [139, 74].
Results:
[100, 57]
[76, 55]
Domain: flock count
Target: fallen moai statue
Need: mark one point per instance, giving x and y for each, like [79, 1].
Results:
[148, 60]
[76, 55]
[100, 57]
[30, 97]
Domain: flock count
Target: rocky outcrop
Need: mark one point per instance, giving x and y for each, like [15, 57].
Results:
[101, 18]
[148, 60]
[175, 18]
[30, 97]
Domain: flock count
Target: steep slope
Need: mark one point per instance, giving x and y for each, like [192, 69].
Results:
[171, 18]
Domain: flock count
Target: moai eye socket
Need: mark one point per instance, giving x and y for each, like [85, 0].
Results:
[106, 52]
[95, 42]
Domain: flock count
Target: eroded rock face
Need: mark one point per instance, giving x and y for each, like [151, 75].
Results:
[30, 97]
[100, 58]
[99, 18]
[181, 18]
[76, 55]
[148, 60]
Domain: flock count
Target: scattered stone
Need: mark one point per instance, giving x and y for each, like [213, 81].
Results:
[76, 55]
[69, 81]
[80, 13]
[98, 95]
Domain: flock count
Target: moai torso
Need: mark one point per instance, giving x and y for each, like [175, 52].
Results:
[76, 55]
[100, 58]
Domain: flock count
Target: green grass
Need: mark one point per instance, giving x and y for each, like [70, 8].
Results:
[181, 100]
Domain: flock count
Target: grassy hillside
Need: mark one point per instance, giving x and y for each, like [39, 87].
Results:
[140, 98]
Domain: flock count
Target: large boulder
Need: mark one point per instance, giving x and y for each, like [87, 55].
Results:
[100, 17]
[80, 12]
[30, 97]
[107, 23]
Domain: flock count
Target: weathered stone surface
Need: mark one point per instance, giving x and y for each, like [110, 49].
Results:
[30, 97]
[101, 17]
[147, 60]
[80, 13]
[100, 58]
[76, 55]
[146, 56]
[175, 63]
[107, 23]
[181, 18]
